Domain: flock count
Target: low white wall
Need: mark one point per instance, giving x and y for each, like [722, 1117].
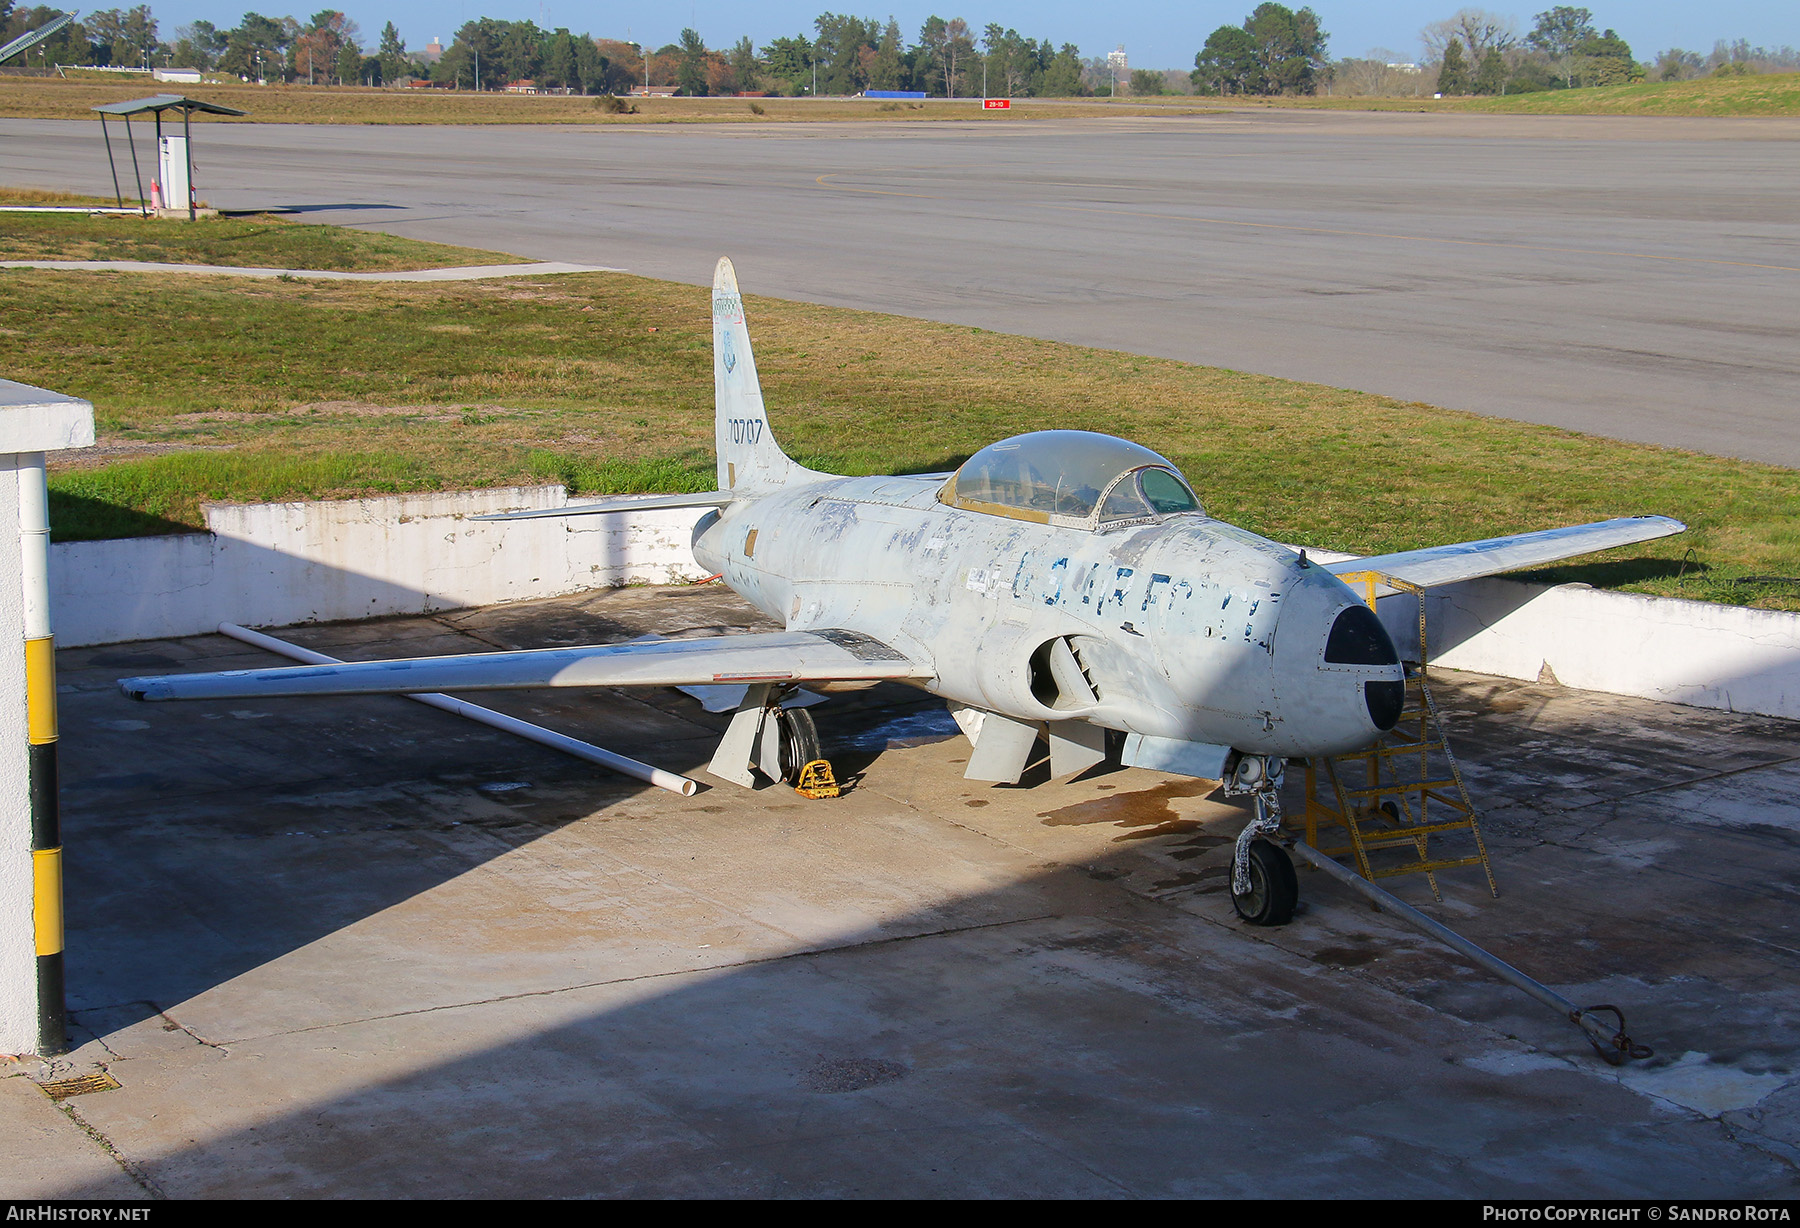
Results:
[1685, 652]
[279, 564]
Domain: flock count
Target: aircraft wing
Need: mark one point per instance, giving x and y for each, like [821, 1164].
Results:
[633, 503]
[1472, 560]
[780, 656]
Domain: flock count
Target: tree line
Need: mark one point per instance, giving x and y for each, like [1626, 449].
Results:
[840, 55]
[1274, 50]
[1474, 51]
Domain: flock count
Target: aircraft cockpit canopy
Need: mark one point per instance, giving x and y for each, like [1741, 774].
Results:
[1074, 479]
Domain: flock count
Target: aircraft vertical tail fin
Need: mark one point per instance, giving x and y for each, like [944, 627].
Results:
[749, 457]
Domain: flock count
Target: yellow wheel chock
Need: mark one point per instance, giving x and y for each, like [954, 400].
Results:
[816, 780]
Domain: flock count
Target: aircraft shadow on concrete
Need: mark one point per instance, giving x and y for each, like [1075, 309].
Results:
[1057, 1035]
[281, 784]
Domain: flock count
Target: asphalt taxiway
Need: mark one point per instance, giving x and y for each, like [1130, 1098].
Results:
[359, 948]
[1631, 277]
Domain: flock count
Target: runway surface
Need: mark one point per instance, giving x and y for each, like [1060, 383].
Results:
[1633, 278]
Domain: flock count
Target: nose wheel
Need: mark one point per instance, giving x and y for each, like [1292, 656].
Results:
[1264, 889]
[1274, 889]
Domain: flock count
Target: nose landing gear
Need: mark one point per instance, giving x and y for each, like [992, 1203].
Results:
[1264, 889]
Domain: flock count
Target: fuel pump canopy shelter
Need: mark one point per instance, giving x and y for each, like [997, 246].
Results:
[171, 167]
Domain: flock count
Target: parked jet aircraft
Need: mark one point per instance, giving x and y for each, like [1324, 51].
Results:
[1059, 584]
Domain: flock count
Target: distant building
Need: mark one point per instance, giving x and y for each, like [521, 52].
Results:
[1120, 68]
[434, 51]
[188, 76]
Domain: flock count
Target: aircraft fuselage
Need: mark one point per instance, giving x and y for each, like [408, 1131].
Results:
[1191, 629]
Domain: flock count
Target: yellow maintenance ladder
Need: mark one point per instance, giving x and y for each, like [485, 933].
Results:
[1404, 791]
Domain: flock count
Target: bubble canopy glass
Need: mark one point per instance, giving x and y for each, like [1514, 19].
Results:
[1071, 478]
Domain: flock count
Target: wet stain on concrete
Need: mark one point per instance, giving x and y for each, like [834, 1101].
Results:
[1147, 811]
[1345, 957]
[975, 803]
[830, 1076]
[1205, 842]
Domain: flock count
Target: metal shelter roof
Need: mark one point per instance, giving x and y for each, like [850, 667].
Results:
[155, 105]
[158, 103]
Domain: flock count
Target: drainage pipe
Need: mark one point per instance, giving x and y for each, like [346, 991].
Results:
[1611, 1043]
[671, 781]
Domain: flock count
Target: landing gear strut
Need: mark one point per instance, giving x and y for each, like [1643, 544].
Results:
[764, 736]
[1264, 889]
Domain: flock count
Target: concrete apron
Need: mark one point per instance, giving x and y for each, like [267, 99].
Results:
[270, 565]
[358, 948]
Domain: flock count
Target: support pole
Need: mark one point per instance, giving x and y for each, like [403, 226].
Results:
[40, 726]
[111, 165]
[187, 152]
[33, 421]
[1611, 1043]
[136, 175]
[624, 766]
[158, 172]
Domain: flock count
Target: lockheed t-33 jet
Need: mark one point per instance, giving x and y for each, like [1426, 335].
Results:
[1059, 585]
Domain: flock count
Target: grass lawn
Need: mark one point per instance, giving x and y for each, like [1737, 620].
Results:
[225, 389]
[264, 242]
[51, 98]
[1763, 95]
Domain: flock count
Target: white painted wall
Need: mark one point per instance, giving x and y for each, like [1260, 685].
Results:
[1685, 652]
[18, 940]
[277, 564]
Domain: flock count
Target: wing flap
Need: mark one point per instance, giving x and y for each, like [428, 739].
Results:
[827, 655]
[1472, 560]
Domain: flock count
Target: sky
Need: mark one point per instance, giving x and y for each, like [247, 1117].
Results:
[1155, 35]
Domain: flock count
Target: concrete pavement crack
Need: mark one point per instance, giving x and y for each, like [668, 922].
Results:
[806, 953]
[137, 1175]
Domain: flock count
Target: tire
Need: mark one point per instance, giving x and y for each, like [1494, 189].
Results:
[1274, 890]
[799, 742]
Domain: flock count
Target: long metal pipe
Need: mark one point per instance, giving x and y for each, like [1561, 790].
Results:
[624, 766]
[1611, 1043]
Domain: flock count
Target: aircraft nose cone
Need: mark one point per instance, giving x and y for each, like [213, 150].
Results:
[1358, 638]
[1385, 699]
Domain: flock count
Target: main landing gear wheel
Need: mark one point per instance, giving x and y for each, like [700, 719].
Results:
[1274, 890]
[800, 743]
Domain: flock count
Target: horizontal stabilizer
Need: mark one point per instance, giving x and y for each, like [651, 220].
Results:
[628, 503]
[1472, 560]
[774, 657]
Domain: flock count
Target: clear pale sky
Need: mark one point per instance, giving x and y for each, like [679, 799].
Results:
[1155, 35]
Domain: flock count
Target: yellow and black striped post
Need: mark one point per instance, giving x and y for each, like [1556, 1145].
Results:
[40, 724]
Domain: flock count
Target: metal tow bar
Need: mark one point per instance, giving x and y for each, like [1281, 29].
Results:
[1610, 1042]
